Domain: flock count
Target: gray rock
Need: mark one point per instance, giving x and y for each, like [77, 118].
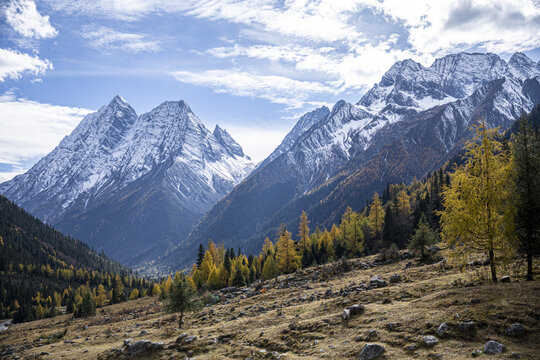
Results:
[394, 279]
[493, 347]
[442, 329]
[181, 337]
[467, 328]
[143, 332]
[476, 353]
[377, 282]
[142, 346]
[430, 341]
[505, 279]
[371, 351]
[516, 330]
[346, 314]
[372, 335]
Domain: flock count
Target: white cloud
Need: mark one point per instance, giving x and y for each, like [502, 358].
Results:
[31, 130]
[14, 63]
[23, 17]
[107, 39]
[277, 89]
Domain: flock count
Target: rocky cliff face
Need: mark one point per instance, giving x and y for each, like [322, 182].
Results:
[409, 123]
[132, 185]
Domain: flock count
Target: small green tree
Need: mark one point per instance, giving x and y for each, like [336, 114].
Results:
[181, 297]
[422, 237]
[88, 306]
[270, 268]
[238, 278]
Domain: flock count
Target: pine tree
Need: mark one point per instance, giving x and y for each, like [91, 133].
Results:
[478, 215]
[200, 256]
[287, 257]
[118, 290]
[270, 269]
[181, 297]
[303, 240]
[88, 305]
[423, 236]
[526, 174]
[238, 278]
[376, 219]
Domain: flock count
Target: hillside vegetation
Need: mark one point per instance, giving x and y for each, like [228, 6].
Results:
[301, 316]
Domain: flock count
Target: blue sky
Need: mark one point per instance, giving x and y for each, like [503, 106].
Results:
[252, 66]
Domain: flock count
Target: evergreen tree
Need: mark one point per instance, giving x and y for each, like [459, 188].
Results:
[181, 297]
[238, 279]
[423, 236]
[118, 290]
[526, 174]
[478, 215]
[303, 240]
[200, 255]
[270, 268]
[376, 219]
[88, 305]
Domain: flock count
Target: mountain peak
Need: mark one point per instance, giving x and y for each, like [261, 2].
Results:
[223, 137]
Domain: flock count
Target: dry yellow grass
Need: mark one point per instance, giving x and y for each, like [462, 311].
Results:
[296, 329]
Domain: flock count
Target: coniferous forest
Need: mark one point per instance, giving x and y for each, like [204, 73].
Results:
[44, 273]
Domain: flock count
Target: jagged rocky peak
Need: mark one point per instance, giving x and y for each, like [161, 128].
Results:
[523, 67]
[227, 141]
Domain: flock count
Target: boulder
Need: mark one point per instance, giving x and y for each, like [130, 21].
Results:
[430, 341]
[372, 335]
[442, 329]
[142, 346]
[505, 279]
[394, 279]
[516, 330]
[377, 282]
[371, 351]
[493, 347]
[467, 328]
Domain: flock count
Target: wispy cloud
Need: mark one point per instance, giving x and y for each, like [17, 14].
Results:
[31, 130]
[277, 89]
[107, 39]
[13, 64]
[24, 18]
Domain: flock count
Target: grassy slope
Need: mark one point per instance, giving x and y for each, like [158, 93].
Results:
[432, 295]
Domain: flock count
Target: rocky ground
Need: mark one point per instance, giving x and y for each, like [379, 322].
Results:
[357, 309]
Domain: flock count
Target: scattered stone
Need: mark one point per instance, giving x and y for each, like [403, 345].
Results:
[142, 346]
[475, 301]
[180, 338]
[505, 279]
[516, 330]
[386, 301]
[392, 326]
[430, 341]
[394, 279]
[371, 351]
[142, 333]
[411, 348]
[346, 314]
[372, 335]
[434, 356]
[377, 282]
[476, 353]
[442, 329]
[467, 328]
[493, 347]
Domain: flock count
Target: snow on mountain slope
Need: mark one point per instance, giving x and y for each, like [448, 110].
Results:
[425, 111]
[113, 148]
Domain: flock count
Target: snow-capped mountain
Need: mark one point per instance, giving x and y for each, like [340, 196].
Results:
[408, 124]
[132, 185]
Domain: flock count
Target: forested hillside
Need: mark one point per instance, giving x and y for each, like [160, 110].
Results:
[43, 272]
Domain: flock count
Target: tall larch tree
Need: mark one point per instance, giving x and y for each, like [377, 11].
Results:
[376, 218]
[303, 239]
[287, 257]
[478, 215]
